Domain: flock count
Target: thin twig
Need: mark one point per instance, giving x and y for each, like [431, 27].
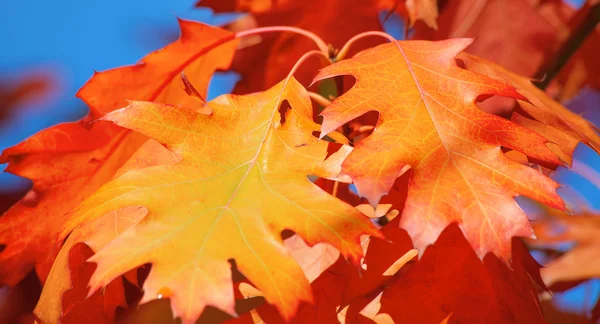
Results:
[262, 30]
[335, 188]
[548, 72]
[344, 51]
[391, 11]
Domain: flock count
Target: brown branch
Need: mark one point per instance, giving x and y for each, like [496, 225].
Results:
[547, 72]
[390, 12]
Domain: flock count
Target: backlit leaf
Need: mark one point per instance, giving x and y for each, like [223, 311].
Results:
[241, 180]
[428, 120]
[68, 162]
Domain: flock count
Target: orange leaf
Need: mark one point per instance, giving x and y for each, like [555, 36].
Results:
[70, 161]
[425, 10]
[582, 68]
[381, 255]
[71, 261]
[200, 51]
[498, 27]
[429, 121]
[450, 279]
[327, 289]
[547, 117]
[66, 163]
[241, 180]
[582, 262]
[102, 305]
[313, 260]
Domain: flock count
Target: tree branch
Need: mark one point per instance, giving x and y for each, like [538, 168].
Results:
[547, 72]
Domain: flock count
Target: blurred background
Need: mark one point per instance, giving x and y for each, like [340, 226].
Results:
[51, 48]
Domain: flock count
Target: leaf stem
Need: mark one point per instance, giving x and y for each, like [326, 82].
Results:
[304, 58]
[344, 51]
[335, 188]
[547, 72]
[319, 99]
[263, 30]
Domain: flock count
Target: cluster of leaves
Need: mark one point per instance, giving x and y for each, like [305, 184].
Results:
[240, 208]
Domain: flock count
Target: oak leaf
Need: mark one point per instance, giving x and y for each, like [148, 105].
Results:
[413, 10]
[429, 121]
[540, 112]
[380, 256]
[498, 27]
[449, 279]
[241, 180]
[327, 290]
[526, 51]
[579, 263]
[68, 162]
[582, 68]
[96, 234]
[101, 307]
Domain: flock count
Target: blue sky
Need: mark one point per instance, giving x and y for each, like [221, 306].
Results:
[76, 37]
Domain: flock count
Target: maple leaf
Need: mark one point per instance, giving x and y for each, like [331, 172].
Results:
[430, 123]
[50, 308]
[68, 162]
[541, 113]
[241, 180]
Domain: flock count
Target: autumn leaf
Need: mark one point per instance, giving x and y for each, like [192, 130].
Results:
[413, 10]
[450, 279]
[498, 27]
[50, 308]
[99, 308]
[283, 50]
[425, 10]
[69, 162]
[327, 290]
[332, 287]
[29, 229]
[380, 256]
[526, 51]
[241, 180]
[582, 68]
[321, 264]
[313, 260]
[542, 114]
[580, 262]
[430, 123]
